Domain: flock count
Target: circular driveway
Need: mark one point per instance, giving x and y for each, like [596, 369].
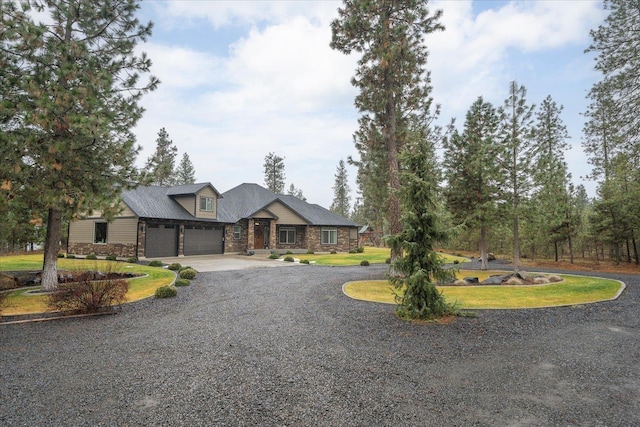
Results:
[284, 346]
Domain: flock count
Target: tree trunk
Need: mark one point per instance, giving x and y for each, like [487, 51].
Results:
[483, 247]
[51, 248]
[555, 249]
[571, 250]
[635, 248]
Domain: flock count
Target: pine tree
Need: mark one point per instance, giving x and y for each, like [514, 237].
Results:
[341, 191]
[274, 173]
[421, 268]
[616, 44]
[552, 197]
[76, 98]
[473, 177]
[517, 122]
[185, 173]
[296, 192]
[394, 85]
[159, 169]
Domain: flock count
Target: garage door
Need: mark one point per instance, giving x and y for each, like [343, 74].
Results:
[161, 240]
[203, 240]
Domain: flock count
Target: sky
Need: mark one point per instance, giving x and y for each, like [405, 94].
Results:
[240, 79]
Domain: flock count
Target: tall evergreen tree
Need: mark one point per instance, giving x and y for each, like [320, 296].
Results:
[274, 172]
[76, 96]
[552, 180]
[185, 172]
[296, 192]
[341, 191]
[160, 166]
[473, 177]
[517, 125]
[618, 59]
[394, 85]
[421, 268]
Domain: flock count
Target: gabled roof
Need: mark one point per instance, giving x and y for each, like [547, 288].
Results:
[247, 199]
[189, 189]
[156, 202]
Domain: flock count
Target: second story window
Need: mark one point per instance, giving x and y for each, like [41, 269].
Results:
[206, 204]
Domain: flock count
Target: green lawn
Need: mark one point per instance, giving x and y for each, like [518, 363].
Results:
[371, 254]
[19, 302]
[573, 290]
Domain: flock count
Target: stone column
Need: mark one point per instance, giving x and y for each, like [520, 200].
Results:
[273, 236]
[251, 240]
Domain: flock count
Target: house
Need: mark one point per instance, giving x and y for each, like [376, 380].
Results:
[195, 219]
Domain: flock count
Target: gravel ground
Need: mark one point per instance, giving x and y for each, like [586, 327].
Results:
[284, 346]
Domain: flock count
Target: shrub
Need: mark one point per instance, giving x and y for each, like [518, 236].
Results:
[273, 256]
[166, 292]
[387, 261]
[288, 253]
[554, 278]
[175, 266]
[92, 256]
[513, 281]
[456, 261]
[184, 267]
[288, 259]
[352, 251]
[304, 261]
[183, 282]
[155, 263]
[187, 273]
[87, 295]
[460, 282]
[540, 281]
[333, 252]
[60, 255]
[310, 252]
[364, 263]
[132, 260]
[360, 249]
[71, 256]
[111, 257]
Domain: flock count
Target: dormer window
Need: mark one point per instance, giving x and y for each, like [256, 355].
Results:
[206, 204]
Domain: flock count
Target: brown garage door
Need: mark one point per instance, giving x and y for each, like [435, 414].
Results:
[203, 240]
[161, 240]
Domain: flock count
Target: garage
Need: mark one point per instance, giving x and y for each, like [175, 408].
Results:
[161, 240]
[203, 240]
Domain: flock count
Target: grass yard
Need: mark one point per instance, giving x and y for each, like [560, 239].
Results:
[19, 302]
[371, 254]
[573, 290]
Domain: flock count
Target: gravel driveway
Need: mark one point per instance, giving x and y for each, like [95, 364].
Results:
[284, 346]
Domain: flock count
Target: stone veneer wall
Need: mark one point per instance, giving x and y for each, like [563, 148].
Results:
[232, 245]
[118, 249]
[345, 242]
[301, 238]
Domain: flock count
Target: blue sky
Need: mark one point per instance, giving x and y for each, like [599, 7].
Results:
[241, 79]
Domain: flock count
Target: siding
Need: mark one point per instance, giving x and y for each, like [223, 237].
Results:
[285, 215]
[126, 212]
[207, 192]
[187, 202]
[121, 230]
[263, 214]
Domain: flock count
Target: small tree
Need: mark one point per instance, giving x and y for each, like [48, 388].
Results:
[185, 172]
[159, 169]
[418, 271]
[341, 191]
[274, 173]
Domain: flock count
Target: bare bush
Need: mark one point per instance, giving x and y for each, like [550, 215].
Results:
[514, 281]
[554, 278]
[87, 295]
[540, 281]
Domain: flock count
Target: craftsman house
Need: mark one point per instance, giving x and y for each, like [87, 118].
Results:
[195, 219]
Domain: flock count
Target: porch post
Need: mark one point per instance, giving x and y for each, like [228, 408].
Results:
[273, 243]
[251, 238]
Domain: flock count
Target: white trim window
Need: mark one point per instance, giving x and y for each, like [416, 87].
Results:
[100, 232]
[206, 204]
[237, 232]
[329, 236]
[287, 235]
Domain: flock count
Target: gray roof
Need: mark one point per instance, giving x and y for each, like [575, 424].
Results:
[240, 202]
[156, 202]
[188, 189]
[246, 200]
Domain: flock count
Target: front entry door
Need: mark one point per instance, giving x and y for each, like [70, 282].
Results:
[258, 242]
